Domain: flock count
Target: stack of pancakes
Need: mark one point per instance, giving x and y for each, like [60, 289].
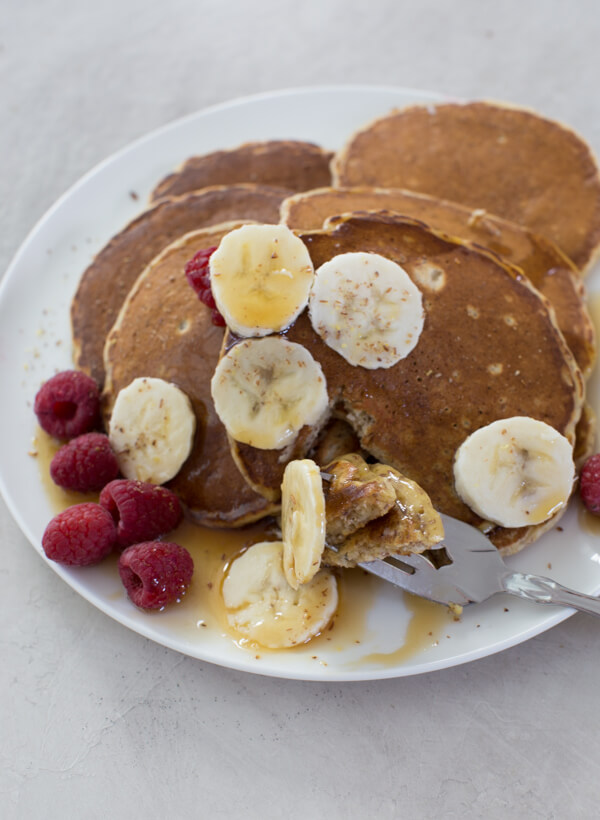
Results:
[495, 214]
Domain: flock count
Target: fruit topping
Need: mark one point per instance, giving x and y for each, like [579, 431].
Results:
[68, 404]
[151, 429]
[263, 608]
[515, 472]
[589, 487]
[80, 535]
[367, 309]
[266, 390]
[260, 277]
[140, 510]
[155, 573]
[198, 276]
[86, 464]
[302, 521]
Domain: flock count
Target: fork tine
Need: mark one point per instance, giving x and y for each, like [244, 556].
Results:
[425, 580]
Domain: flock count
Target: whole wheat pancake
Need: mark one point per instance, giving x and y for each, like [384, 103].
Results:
[164, 331]
[490, 349]
[106, 282]
[548, 269]
[507, 161]
[372, 511]
[290, 164]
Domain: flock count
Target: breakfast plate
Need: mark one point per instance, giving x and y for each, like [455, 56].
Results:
[380, 632]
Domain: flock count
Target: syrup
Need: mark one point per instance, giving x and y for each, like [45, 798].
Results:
[589, 523]
[44, 448]
[212, 550]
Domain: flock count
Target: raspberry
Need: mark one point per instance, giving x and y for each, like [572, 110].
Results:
[68, 404]
[80, 535]
[141, 511]
[85, 464]
[196, 271]
[589, 484]
[155, 573]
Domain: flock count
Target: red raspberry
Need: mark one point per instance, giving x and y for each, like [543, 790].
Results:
[155, 573]
[589, 484]
[86, 464]
[197, 273]
[141, 511]
[68, 404]
[80, 535]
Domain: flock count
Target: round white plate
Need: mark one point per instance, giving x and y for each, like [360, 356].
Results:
[35, 342]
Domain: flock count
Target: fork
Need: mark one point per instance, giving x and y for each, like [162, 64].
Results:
[466, 568]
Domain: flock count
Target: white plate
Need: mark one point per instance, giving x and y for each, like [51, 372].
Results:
[35, 342]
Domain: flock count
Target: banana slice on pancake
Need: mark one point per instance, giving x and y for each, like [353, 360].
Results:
[151, 429]
[515, 472]
[302, 521]
[266, 390]
[367, 309]
[265, 609]
[260, 277]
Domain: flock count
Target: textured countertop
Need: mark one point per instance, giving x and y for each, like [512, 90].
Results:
[98, 721]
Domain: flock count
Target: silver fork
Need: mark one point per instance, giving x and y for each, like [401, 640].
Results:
[467, 568]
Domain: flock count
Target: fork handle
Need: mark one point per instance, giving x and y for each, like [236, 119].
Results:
[545, 591]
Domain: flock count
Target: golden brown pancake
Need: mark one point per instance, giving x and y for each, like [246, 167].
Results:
[372, 511]
[106, 282]
[490, 349]
[585, 435]
[164, 331]
[507, 161]
[290, 164]
[548, 269]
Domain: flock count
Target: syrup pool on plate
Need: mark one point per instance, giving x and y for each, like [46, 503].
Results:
[202, 606]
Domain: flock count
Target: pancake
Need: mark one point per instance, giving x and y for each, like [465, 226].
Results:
[489, 349]
[372, 511]
[585, 435]
[548, 269]
[291, 164]
[164, 331]
[507, 161]
[106, 282]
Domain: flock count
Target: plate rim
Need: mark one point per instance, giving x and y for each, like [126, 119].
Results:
[552, 618]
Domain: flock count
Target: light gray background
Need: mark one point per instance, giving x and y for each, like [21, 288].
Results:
[98, 722]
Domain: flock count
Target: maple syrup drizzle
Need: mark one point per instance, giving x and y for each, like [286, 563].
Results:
[202, 606]
[589, 523]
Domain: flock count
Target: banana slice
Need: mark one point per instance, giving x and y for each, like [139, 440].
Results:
[151, 430]
[264, 608]
[260, 277]
[367, 309]
[515, 472]
[266, 390]
[302, 521]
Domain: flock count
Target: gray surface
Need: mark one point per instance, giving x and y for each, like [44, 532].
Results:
[95, 720]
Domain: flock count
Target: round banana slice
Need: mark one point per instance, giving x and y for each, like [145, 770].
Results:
[263, 608]
[266, 390]
[260, 277]
[367, 309]
[302, 521]
[151, 430]
[515, 472]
